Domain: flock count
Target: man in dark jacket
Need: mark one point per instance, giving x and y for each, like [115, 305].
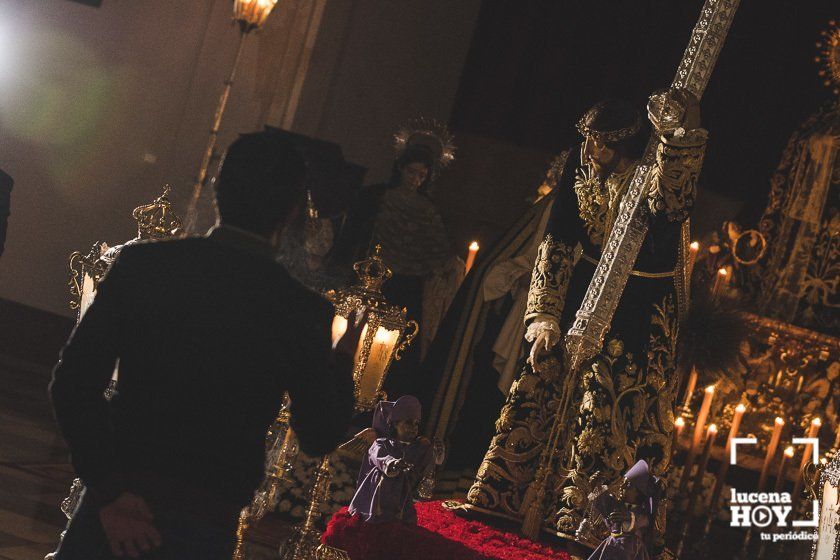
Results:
[6, 183]
[208, 333]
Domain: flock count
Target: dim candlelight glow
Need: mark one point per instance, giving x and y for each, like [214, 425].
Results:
[720, 280]
[471, 252]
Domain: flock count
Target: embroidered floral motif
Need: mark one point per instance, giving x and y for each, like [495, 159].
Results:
[550, 279]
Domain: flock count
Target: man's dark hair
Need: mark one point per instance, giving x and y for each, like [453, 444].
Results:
[261, 180]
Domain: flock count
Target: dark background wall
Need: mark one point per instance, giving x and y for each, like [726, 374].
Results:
[535, 66]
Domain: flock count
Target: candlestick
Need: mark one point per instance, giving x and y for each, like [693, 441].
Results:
[720, 280]
[689, 389]
[679, 426]
[724, 464]
[780, 475]
[698, 435]
[693, 248]
[711, 434]
[771, 451]
[472, 250]
[813, 431]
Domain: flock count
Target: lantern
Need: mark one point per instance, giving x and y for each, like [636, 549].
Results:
[251, 14]
[385, 334]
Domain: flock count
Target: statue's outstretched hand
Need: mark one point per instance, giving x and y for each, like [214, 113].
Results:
[542, 346]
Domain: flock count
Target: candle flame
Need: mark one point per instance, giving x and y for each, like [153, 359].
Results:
[694, 247]
[816, 421]
[712, 428]
[679, 422]
[741, 408]
[779, 421]
[474, 246]
[710, 389]
[722, 271]
[823, 461]
[789, 452]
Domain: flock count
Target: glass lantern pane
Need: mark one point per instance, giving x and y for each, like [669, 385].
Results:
[88, 293]
[384, 342]
[339, 327]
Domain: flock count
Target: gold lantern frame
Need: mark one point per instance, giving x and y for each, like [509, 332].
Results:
[380, 317]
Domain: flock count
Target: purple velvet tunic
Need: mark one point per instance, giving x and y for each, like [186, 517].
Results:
[380, 497]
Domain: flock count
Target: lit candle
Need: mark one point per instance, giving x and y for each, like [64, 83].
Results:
[697, 486]
[699, 425]
[473, 249]
[711, 433]
[720, 280]
[813, 431]
[724, 464]
[693, 248]
[689, 389]
[771, 451]
[679, 426]
[780, 475]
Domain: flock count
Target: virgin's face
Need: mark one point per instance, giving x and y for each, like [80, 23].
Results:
[598, 155]
[414, 174]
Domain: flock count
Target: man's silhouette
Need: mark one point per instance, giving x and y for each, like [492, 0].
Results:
[208, 332]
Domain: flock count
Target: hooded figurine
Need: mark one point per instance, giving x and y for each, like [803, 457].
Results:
[395, 464]
[630, 519]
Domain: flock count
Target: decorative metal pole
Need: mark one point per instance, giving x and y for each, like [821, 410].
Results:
[249, 15]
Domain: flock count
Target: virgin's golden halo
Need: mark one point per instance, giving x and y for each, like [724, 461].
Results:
[829, 56]
[430, 133]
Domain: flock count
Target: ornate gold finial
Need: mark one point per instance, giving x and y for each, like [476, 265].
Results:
[157, 220]
[372, 272]
[829, 56]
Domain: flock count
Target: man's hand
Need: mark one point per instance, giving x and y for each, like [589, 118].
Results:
[127, 522]
[348, 343]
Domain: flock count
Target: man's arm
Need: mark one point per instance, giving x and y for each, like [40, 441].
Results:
[82, 374]
[321, 387]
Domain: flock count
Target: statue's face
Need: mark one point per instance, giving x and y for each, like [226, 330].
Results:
[414, 174]
[408, 429]
[602, 158]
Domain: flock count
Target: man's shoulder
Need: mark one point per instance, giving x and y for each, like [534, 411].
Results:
[149, 251]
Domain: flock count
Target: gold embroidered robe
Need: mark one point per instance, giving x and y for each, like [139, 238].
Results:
[623, 408]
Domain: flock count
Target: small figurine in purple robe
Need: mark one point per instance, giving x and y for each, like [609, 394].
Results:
[395, 464]
[630, 520]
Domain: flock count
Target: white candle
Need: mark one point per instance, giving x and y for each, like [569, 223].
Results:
[720, 280]
[780, 475]
[693, 249]
[472, 250]
[771, 451]
[689, 389]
